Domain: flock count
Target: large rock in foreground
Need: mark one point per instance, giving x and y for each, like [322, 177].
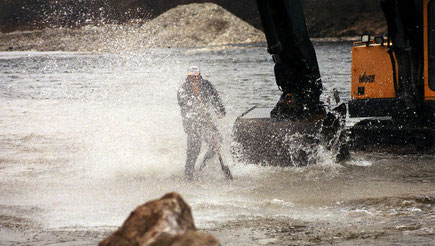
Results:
[166, 221]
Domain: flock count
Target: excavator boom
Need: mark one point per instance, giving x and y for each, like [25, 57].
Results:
[296, 68]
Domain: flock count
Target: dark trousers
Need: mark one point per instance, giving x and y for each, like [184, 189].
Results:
[194, 140]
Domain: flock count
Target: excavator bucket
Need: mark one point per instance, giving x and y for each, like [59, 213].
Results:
[260, 139]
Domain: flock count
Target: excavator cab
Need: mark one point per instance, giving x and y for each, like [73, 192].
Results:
[373, 78]
[376, 77]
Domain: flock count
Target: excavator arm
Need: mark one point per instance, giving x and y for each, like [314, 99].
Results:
[296, 68]
[405, 29]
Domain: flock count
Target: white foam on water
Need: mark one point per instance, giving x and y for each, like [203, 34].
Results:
[359, 161]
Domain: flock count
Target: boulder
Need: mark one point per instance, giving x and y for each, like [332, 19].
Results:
[166, 221]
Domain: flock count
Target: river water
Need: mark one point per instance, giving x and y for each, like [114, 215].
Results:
[85, 138]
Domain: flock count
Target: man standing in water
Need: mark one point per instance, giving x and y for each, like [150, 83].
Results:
[195, 97]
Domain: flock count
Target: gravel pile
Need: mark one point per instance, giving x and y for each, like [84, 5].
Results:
[193, 25]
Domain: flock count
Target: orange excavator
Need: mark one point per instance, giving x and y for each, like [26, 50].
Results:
[395, 77]
[392, 89]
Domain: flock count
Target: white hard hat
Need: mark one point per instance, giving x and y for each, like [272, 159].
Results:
[193, 70]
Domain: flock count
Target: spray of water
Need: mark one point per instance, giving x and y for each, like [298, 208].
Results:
[86, 138]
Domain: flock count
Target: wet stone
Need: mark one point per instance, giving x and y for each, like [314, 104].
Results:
[166, 221]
